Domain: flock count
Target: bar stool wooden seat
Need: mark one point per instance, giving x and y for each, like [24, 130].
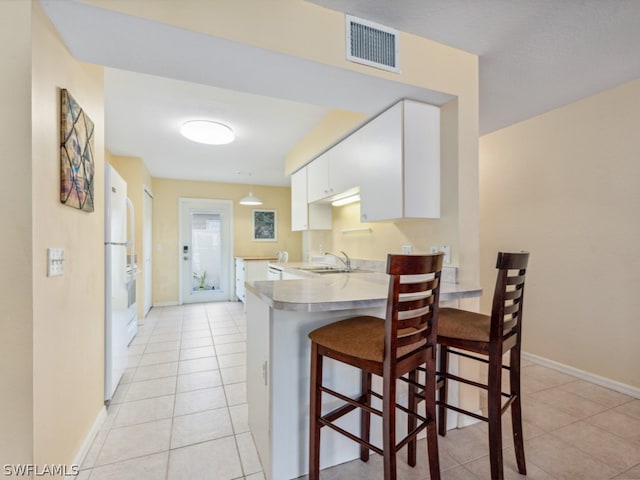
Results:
[491, 336]
[390, 348]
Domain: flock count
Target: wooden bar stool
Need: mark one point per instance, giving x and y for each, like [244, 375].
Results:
[389, 348]
[489, 336]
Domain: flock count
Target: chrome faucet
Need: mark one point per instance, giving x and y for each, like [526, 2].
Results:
[346, 260]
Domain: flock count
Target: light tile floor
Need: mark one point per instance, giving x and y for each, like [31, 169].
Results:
[180, 412]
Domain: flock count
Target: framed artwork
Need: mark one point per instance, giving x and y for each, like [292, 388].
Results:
[77, 167]
[264, 226]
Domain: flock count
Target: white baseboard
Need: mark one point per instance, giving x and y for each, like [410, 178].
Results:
[466, 420]
[86, 444]
[165, 304]
[586, 376]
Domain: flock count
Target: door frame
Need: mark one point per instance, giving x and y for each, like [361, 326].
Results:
[225, 207]
[147, 250]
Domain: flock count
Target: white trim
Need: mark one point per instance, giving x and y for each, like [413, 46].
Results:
[466, 420]
[165, 304]
[581, 374]
[88, 440]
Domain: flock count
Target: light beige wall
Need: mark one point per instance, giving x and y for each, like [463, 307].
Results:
[137, 176]
[165, 226]
[68, 311]
[16, 297]
[564, 185]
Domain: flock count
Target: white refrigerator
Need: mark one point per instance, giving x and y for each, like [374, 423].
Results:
[116, 280]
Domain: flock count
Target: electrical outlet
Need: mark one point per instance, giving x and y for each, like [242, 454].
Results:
[446, 249]
[407, 249]
[55, 262]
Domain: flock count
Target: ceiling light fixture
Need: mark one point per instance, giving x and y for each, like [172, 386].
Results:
[208, 132]
[250, 199]
[346, 200]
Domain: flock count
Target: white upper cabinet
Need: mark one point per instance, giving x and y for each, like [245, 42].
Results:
[318, 178]
[305, 216]
[394, 160]
[400, 163]
[336, 171]
[344, 165]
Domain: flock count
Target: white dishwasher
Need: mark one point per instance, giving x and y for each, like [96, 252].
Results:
[274, 272]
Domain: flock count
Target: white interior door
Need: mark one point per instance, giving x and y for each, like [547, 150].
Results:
[206, 250]
[147, 250]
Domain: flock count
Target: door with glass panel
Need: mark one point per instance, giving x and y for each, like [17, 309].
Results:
[205, 250]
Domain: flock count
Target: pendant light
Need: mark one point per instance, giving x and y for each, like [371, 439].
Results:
[250, 199]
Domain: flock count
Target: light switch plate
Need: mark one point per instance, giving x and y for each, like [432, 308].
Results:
[55, 262]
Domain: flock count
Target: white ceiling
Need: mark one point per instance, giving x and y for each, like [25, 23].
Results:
[534, 56]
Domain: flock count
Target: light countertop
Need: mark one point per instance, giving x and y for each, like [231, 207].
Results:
[340, 291]
[256, 258]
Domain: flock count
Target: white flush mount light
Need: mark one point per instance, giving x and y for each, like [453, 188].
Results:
[208, 132]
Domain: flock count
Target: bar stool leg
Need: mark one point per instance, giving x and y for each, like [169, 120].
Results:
[516, 409]
[430, 413]
[412, 405]
[443, 390]
[315, 410]
[494, 403]
[365, 416]
[389, 425]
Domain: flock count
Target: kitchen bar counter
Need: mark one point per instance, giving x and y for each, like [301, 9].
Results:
[280, 314]
[340, 291]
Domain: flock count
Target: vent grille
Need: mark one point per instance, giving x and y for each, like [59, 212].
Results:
[372, 44]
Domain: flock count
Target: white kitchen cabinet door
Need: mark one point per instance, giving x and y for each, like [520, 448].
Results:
[305, 216]
[421, 160]
[400, 163]
[381, 194]
[318, 178]
[335, 171]
[299, 209]
[344, 165]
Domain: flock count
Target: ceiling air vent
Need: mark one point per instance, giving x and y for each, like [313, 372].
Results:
[372, 44]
